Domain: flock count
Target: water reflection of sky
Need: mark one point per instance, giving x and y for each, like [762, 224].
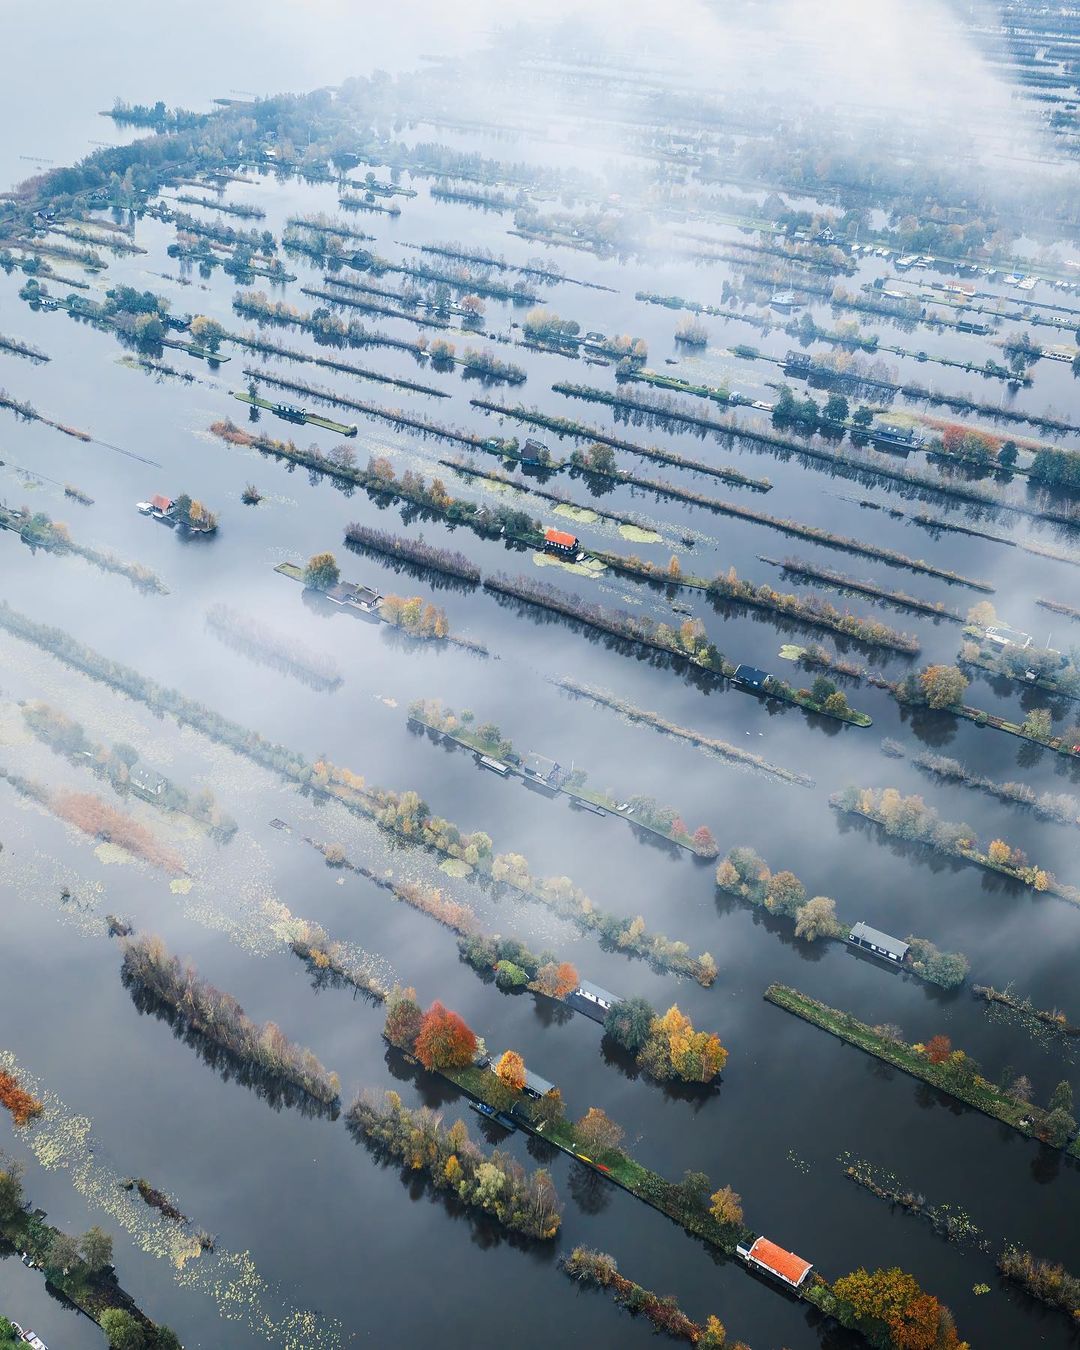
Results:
[329, 1228]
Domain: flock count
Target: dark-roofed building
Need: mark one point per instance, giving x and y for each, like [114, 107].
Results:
[540, 767]
[356, 597]
[751, 677]
[604, 999]
[872, 940]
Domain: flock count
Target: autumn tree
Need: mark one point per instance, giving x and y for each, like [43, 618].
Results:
[915, 1319]
[938, 1049]
[403, 1018]
[714, 1334]
[207, 332]
[982, 615]
[705, 845]
[725, 1205]
[556, 979]
[999, 851]
[597, 1133]
[943, 686]
[444, 1040]
[817, 918]
[322, 572]
[784, 893]
[511, 1070]
[675, 1050]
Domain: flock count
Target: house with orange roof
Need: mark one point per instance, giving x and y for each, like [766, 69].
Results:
[775, 1261]
[558, 541]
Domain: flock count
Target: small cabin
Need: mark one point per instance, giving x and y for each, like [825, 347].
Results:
[872, 940]
[782, 1265]
[751, 677]
[161, 506]
[559, 542]
[798, 360]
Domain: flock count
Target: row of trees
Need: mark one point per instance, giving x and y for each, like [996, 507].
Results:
[149, 966]
[601, 1271]
[811, 609]
[494, 1183]
[116, 762]
[910, 818]
[412, 550]
[744, 873]
[414, 616]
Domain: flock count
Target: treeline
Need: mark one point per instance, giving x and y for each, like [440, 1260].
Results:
[688, 641]
[379, 478]
[116, 762]
[910, 818]
[1060, 806]
[41, 532]
[494, 1184]
[405, 814]
[150, 967]
[1048, 1281]
[745, 874]
[600, 1270]
[98, 820]
[412, 550]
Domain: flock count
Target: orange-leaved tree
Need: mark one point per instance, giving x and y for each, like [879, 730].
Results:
[511, 1069]
[444, 1040]
[557, 979]
[938, 1049]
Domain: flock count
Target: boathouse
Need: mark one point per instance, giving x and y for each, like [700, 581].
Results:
[601, 998]
[354, 597]
[558, 541]
[782, 1265]
[751, 677]
[872, 940]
